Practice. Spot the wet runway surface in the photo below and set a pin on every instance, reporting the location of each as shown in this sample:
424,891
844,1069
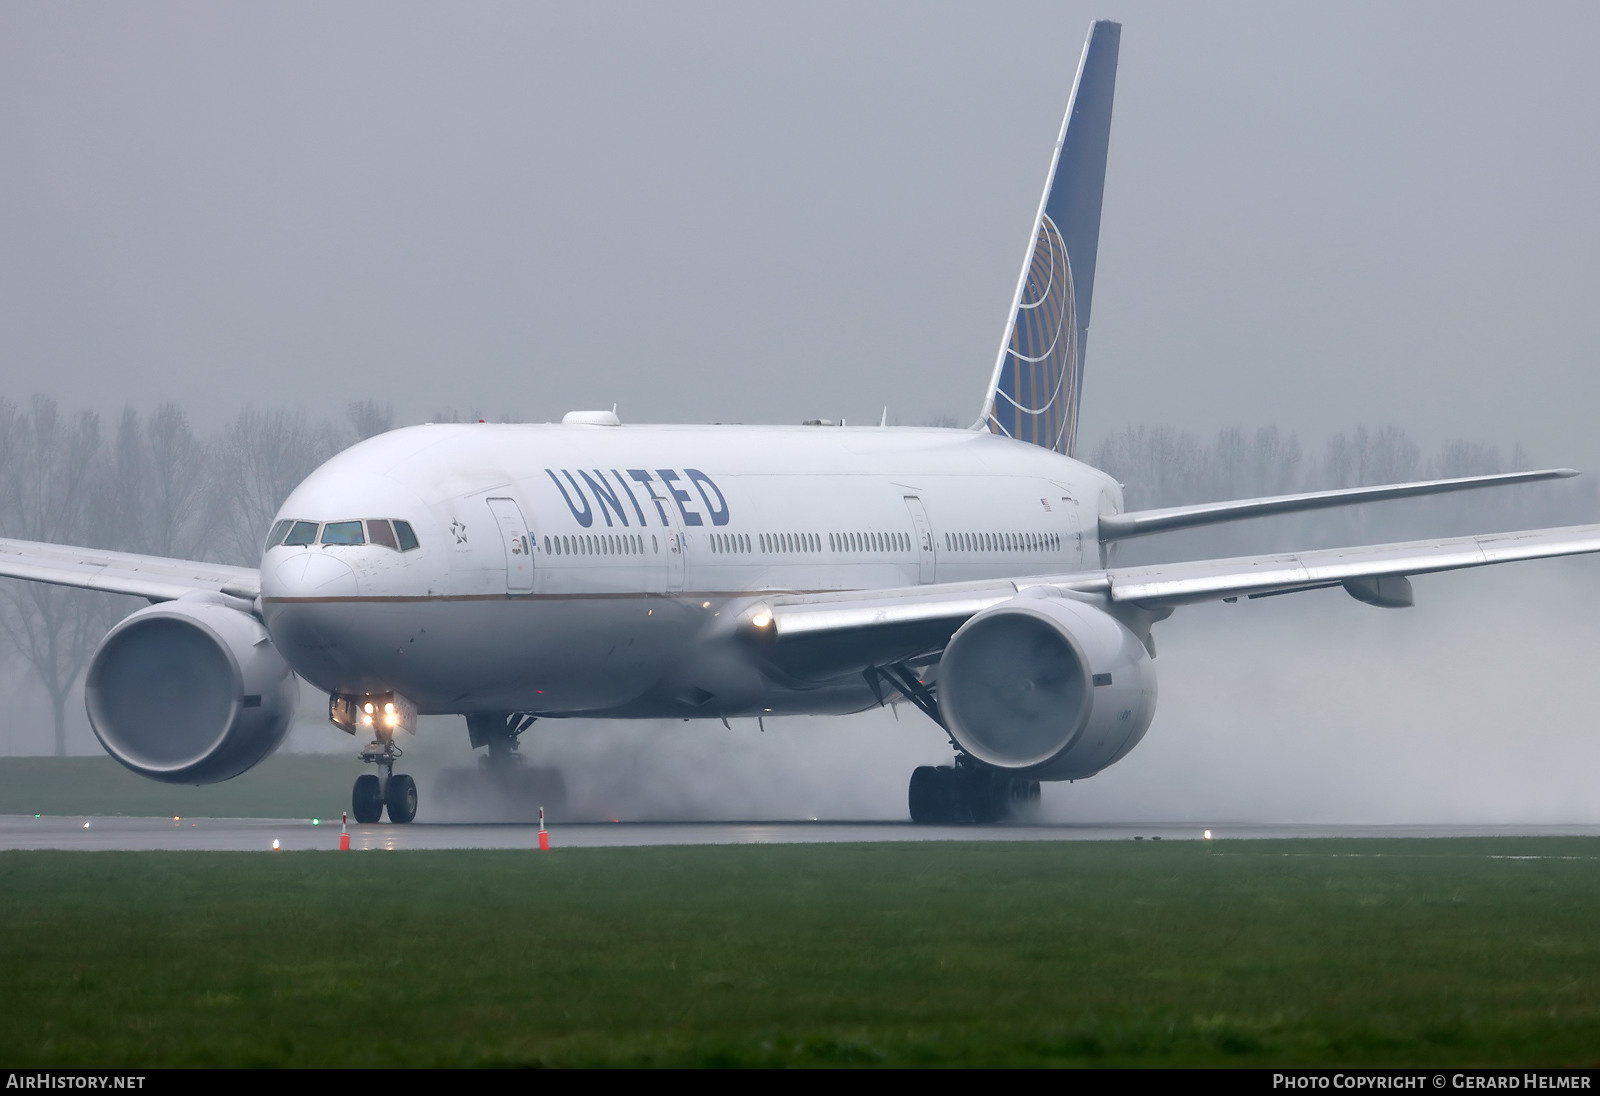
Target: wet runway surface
258,834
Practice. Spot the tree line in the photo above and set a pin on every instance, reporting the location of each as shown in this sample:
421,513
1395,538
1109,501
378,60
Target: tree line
149,483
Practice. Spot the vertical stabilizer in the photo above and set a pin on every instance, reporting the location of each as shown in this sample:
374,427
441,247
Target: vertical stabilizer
1038,377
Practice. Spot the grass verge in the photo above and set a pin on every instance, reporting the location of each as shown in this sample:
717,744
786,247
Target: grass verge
1465,952
282,786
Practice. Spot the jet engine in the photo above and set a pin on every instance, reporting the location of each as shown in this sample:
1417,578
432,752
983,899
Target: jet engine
1047,687
190,691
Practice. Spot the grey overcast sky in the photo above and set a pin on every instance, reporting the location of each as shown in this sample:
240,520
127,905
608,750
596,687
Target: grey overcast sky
1316,215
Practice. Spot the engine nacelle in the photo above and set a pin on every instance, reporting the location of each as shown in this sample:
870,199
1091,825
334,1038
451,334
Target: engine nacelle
190,691
1049,687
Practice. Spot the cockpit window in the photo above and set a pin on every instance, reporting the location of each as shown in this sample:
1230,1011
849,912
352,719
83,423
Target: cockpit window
279,531
408,539
343,532
378,532
301,534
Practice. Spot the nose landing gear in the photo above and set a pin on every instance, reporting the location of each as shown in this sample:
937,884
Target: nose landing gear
395,791
385,715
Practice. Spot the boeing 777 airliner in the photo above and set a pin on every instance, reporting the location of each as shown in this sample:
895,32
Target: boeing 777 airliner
509,573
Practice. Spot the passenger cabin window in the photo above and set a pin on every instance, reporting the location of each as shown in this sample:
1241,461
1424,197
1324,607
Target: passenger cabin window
379,532
302,534
343,532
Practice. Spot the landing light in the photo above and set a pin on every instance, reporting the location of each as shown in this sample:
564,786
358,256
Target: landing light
384,713
761,619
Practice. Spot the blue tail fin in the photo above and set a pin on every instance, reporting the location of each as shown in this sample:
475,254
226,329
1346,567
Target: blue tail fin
1038,376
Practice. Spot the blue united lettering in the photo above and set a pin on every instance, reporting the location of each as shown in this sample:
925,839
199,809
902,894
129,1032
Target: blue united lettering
591,493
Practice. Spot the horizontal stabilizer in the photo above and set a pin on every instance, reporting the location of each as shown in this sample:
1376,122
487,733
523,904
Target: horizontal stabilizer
1139,523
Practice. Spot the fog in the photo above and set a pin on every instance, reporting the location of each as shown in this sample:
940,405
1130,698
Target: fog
1316,220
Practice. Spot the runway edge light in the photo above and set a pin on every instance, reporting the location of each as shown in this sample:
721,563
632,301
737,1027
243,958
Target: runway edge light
544,835
344,832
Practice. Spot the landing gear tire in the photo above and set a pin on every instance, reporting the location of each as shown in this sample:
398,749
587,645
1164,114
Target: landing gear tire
401,798
366,801
935,797
968,794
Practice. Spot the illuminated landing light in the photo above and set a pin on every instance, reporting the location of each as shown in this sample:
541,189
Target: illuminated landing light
705,605
762,618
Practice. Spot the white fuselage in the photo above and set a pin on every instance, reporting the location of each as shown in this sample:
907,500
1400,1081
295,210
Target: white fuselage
570,570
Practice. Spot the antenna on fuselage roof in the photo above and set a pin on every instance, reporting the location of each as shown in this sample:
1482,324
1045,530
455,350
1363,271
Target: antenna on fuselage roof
1038,374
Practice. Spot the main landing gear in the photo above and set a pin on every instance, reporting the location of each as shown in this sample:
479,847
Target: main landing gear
968,793
505,786
395,791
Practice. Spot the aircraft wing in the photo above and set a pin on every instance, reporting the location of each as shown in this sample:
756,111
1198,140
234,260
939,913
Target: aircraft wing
813,635
1171,584
1140,523
154,577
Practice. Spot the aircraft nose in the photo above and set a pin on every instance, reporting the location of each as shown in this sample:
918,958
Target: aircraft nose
312,574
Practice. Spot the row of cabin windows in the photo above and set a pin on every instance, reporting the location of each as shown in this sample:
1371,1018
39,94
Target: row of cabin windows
799,543
599,544
291,533
1002,542
608,544
869,542
632,544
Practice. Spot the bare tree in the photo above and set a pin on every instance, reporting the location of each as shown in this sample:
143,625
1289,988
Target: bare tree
261,457
57,473
369,418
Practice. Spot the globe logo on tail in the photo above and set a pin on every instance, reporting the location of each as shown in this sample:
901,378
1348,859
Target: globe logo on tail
1037,395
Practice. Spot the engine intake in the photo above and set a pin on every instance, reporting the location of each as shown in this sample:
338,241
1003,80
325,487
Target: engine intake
189,692
1047,686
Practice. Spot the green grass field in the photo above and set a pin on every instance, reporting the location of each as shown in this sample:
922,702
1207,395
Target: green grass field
282,786
1445,952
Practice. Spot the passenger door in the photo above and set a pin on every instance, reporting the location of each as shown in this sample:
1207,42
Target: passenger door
518,547
927,563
